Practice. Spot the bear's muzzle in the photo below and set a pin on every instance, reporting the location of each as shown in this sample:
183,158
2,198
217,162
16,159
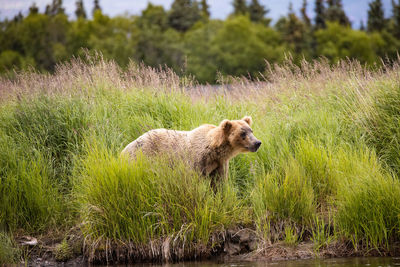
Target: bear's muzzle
255,146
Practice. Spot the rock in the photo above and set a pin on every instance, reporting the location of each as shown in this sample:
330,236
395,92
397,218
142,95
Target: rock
232,248
242,241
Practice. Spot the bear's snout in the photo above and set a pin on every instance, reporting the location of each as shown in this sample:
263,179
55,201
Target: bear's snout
256,146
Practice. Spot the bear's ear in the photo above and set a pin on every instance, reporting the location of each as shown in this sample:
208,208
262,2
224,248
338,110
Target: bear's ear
226,126
248,120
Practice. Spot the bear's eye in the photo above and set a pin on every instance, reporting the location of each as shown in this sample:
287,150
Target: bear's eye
243,135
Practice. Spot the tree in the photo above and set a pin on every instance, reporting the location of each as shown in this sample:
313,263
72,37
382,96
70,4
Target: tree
18,18
55,8
200,51
241,47
157,44
10,59
47,10
257,11
115,37
239,7
33,9
319,14
183,14
337,42
362,26
295,33
376,20
96,7
335,12
304,15
153,17
396,19
204,9
36,41
80,9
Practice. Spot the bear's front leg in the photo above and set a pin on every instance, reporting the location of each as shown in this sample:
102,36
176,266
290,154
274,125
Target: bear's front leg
223,170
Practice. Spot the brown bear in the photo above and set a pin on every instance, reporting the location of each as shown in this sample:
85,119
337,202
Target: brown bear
208,148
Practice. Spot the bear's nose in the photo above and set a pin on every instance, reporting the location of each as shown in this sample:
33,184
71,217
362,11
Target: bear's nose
257,144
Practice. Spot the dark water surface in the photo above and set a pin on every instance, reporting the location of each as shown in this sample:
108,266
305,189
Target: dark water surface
337,262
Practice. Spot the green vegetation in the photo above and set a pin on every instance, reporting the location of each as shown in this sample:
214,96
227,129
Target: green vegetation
63,252
327,172
9,253
185,38
147,201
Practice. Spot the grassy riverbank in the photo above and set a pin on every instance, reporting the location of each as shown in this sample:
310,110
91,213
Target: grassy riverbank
327,172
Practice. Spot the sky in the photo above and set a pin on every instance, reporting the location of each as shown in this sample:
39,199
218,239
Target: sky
356,10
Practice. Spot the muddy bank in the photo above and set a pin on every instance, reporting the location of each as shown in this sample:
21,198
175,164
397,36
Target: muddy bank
233,246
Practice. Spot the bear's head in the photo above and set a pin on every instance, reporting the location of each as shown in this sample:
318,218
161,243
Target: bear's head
239,134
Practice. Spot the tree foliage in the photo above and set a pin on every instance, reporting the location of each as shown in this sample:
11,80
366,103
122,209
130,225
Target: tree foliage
395,21
319,14
304,15
96,6
336,42
239,7
376,19
187,40
80,9
335,12
257,12
205,12
295,33
183,14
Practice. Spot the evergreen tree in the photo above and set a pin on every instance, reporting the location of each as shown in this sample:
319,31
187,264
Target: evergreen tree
335,12
33,9
294,32
47,10
19,17
362,26
55,8
257,11
96,6
376,20
204,9
396,19
319,15
80,9
183,14
304,15
239,7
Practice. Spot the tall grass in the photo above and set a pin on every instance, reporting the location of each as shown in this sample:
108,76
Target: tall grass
151,200
382,125
368,206
329,151
9,253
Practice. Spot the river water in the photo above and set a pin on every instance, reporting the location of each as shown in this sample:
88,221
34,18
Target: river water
336,262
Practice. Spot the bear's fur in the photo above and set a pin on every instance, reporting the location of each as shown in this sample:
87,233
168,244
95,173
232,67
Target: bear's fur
208,148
